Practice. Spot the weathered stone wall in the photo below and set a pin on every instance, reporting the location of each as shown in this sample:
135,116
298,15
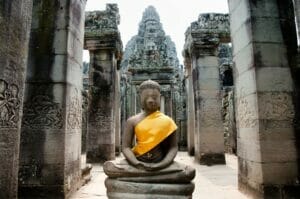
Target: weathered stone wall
102,39
201,45
51,126
267,154
15,17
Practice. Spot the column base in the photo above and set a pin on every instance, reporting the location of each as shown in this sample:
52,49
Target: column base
212,159
101,154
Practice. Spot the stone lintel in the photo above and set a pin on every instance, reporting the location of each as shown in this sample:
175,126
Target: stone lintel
101,30
204,35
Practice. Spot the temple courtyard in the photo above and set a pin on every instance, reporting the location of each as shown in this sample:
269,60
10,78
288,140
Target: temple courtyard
213,182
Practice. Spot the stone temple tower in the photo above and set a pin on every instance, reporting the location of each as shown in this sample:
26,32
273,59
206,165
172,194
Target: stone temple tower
151,54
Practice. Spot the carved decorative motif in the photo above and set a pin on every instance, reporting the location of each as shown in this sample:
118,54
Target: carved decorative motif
99,120
246,116
206,33
74,117
99,23
9,105
41,112
276,106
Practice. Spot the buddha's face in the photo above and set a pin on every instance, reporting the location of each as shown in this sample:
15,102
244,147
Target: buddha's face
150,99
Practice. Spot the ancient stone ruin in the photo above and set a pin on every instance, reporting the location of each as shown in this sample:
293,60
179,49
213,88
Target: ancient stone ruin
238,92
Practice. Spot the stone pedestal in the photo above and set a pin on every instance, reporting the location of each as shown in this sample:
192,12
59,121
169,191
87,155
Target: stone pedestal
127,182
51,126
15,17
267,141
102,39
202,40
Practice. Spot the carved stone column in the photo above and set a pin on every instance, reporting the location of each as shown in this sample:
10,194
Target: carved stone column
202,40
50,151
102,39
15,17
267,154
190,106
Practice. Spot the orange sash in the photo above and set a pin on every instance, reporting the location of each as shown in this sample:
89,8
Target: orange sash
151,131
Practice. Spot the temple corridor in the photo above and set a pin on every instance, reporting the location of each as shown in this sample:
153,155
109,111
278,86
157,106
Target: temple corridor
233,100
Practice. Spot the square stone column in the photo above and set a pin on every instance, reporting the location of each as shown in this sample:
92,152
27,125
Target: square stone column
15,17
202,40
190,107
102,39
267,152
50,153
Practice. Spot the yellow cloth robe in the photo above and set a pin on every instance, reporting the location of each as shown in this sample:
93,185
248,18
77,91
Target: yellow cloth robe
151,131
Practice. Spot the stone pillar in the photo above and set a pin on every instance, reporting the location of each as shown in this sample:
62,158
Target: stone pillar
190,107
50,150
202,40
117,114
267,153
15,17
102,39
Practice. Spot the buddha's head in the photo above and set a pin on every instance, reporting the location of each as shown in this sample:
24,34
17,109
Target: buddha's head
150,95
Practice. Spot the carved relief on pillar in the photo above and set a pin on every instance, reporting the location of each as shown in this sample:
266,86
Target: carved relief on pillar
278,108
246,113
74,114
210,113
9,105
99,119
42,112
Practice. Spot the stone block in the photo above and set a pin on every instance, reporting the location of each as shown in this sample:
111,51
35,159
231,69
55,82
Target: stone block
280,173
249,150
233,4
239,15
210,140
207,61
209,84
262,27
208,72
278,151
267,9
74,48
250,171
274,79
58,73
276,106
120,189
60,42
73,146
243,59
74,73
242,37
246,82
270,55
246,110
209,94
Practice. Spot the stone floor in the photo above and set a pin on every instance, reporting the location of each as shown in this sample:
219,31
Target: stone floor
213,182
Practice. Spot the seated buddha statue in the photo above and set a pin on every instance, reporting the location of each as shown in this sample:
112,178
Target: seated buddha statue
149,146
